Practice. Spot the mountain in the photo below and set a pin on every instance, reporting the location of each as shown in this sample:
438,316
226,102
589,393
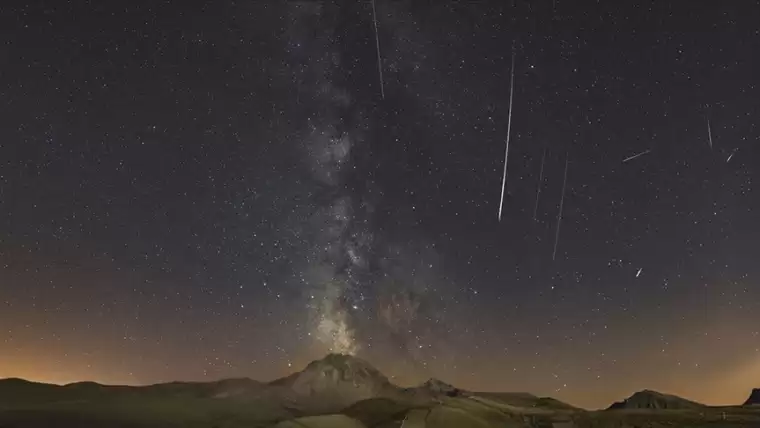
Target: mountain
648,399
754,398
439,387
526,400
433,389
333,383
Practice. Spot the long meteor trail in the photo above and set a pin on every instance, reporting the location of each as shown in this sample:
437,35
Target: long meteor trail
509,131
709,134
561,207
377,45
636,155
540,183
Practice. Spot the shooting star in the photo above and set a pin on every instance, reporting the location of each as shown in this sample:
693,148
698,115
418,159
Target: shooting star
540,182
561,207
639,272
377,45
509,131
731,155
637,155
709,134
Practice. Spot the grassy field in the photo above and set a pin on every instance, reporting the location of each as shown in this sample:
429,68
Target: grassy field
132,412
187,405
248,404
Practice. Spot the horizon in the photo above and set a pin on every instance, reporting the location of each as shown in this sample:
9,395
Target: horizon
599,406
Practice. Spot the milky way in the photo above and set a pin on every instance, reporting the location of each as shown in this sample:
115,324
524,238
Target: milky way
327,145
354,281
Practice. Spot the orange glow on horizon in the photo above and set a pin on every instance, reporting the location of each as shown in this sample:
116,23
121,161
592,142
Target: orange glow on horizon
39,369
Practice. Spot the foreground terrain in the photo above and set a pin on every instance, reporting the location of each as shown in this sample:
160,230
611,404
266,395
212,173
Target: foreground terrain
337,392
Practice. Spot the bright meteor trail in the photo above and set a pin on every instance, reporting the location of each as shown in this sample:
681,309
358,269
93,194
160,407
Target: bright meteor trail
509,130
561,207
377,46
637,155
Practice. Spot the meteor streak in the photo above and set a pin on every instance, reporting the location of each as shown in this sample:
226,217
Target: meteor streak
540,183
635,156
561,207
377,45
509,130
731,155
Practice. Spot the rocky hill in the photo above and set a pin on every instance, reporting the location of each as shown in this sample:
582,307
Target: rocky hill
434,389
754,398
526,400
333,383
648,399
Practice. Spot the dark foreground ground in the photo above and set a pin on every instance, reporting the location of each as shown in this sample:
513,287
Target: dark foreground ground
336,392
153,410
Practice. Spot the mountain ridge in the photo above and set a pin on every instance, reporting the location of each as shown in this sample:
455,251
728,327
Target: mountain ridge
650,399
351,379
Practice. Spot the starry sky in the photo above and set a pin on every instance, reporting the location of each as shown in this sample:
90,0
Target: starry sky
196,190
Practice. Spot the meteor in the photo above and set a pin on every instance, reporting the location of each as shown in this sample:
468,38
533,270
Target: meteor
561,207
635,156
509,130
540,182
377,45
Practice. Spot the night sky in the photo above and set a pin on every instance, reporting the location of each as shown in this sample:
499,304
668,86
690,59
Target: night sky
194,190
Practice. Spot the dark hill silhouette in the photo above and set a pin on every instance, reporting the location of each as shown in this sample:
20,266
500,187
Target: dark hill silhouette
439,387
235,387
525,399
754,398
648,399
433,389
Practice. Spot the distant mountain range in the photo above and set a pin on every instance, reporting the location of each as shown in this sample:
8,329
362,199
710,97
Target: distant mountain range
338,391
